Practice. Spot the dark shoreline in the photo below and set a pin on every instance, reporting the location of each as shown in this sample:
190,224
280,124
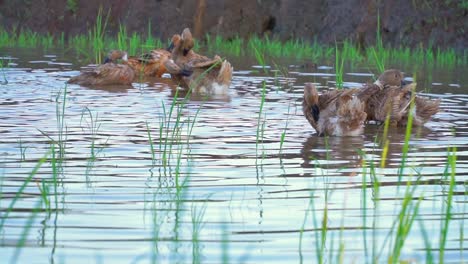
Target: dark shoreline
412,23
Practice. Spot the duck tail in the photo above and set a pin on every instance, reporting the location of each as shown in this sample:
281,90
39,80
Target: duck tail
85,78
310,103
311,95
352,114
225,73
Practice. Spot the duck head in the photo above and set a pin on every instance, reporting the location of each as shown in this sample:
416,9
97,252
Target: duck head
175,42
187,41
391,78
114,55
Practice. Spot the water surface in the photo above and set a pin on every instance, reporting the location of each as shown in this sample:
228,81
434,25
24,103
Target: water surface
256,199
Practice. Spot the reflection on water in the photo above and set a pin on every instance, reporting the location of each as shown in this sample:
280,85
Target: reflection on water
218,182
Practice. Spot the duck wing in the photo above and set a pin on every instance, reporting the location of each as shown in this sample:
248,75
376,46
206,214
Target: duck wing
328,98
205,62
172,67
367,91
110,73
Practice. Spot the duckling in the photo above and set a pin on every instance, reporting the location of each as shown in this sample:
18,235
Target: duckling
108,73
394,99
150,64
194,71
336,112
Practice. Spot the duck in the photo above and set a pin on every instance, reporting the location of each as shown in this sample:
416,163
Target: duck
336,112
394,99
196,72
422,111
150,64
109,73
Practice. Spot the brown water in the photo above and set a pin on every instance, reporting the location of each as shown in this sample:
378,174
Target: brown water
111,207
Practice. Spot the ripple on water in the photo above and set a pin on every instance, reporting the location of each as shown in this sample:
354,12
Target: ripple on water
115,188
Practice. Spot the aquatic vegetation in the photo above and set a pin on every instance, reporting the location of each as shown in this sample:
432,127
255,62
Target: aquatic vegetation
379,57
405,220
179,190
446,208
22,149
339,68
27,228
122,38
197,215
2,68
97,35
283,133
262,48
232,46
260,56
261,120
92,125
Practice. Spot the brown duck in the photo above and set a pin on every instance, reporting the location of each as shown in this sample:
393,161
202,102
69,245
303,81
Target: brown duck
336,112
394,99
197,72
150,64
109,73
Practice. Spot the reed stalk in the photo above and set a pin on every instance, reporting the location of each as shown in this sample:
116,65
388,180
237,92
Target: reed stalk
20,191
339,67
447,204
260,125
97,35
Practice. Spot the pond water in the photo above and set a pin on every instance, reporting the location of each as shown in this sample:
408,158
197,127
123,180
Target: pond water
219,184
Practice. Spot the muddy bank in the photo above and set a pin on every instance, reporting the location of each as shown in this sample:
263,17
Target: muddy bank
436,23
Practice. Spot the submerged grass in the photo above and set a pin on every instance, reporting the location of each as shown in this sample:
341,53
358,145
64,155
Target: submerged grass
260,123
24,235
3,65
448,203
93,126
21,189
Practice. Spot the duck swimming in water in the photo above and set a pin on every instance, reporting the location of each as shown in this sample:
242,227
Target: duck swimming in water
336,112
109,73
197,72
394,99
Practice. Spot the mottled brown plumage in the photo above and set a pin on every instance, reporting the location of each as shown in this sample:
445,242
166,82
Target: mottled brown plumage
337,112
197,72
108,73
394,100
424,109
150,64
